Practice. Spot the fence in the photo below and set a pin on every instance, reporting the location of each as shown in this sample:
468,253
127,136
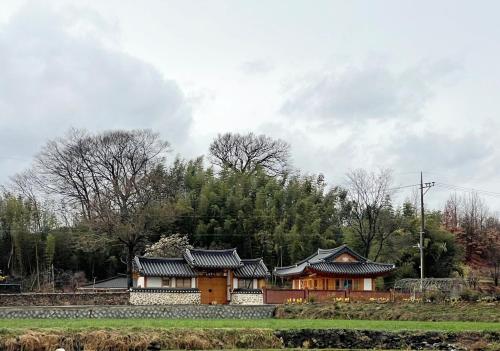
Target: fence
279,296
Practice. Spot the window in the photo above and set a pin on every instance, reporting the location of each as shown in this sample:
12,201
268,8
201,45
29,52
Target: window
315,284
183,283
165,282
245,283
348,284
339,284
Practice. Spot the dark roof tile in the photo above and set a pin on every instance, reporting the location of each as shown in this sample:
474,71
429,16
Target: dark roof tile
119,282
353,268
213,258
323,261
254,268
163,267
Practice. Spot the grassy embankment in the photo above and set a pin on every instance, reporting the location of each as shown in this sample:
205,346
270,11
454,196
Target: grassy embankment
274,324
470,312
474,326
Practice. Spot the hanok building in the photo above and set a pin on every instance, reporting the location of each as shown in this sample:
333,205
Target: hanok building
334,269
200,276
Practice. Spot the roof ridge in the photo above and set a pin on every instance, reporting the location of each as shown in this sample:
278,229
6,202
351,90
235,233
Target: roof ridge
252,259
210,250
380,263
161,258
334,248
285,267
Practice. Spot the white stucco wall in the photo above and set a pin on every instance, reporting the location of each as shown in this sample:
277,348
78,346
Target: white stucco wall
255,283
153,282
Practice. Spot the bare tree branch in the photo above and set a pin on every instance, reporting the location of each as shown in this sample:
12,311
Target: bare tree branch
247,153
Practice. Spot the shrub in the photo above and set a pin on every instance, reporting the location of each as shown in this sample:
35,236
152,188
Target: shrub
434,296
469,295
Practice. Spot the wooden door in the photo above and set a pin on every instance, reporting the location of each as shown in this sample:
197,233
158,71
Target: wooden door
213,290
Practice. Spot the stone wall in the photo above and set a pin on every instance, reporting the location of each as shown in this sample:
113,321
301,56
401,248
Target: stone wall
166,311
165,296
64,299
244,298
385,340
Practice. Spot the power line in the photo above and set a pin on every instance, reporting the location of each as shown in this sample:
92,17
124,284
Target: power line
466,189
404,186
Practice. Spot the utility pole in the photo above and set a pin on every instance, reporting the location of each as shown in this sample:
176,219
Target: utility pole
422,226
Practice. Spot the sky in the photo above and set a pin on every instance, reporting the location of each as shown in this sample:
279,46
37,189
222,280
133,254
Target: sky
406,85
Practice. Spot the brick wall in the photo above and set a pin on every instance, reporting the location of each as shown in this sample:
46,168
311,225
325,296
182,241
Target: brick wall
64,299
279,296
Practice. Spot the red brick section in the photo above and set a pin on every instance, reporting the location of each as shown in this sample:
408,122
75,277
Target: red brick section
279,296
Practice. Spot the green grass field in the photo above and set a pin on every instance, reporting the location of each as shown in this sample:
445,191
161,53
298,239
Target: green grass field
77,324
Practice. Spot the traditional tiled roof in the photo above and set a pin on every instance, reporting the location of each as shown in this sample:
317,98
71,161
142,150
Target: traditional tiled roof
213,258
331,254
323,261
200,259
118,282
163,267
353,268
254,268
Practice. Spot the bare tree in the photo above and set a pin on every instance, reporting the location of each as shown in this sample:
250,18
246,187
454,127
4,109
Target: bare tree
368,194
473,217
468,217
106,177
492,253
451,213
247,153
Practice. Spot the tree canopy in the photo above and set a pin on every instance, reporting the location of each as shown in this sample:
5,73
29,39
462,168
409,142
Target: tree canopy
94,200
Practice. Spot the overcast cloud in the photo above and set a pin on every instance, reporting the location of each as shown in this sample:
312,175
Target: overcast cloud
60,70
357,93
407,85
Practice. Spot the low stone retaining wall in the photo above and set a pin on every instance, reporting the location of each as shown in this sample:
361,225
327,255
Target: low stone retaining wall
164,311
373,339
159,296
64,299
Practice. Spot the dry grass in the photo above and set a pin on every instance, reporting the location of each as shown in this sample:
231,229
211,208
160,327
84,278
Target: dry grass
172,339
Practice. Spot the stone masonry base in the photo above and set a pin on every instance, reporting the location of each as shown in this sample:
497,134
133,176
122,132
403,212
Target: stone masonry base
165,298
247,299
165,311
